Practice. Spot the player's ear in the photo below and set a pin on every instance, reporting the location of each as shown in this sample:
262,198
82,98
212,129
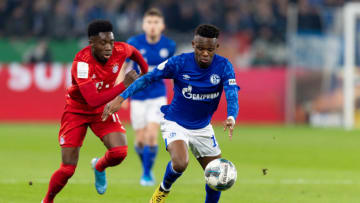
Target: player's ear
91,41
163,26
193,44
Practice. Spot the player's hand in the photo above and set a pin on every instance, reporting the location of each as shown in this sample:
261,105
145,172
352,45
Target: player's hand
229,123
112,107
130,77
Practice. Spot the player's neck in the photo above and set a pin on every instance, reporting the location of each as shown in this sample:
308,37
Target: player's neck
153,39
102,62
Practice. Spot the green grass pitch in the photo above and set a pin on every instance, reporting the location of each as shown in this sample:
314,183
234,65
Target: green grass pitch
304,165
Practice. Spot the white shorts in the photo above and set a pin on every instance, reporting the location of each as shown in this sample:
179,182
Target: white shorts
202,142
147,111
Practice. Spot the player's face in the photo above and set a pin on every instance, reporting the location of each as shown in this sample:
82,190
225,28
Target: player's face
204,49
153,26
102,46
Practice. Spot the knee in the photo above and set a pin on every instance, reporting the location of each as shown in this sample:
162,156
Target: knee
67,169
117,154
180,164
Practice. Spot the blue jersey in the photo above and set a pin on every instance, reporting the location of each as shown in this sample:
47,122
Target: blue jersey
197,91
154,54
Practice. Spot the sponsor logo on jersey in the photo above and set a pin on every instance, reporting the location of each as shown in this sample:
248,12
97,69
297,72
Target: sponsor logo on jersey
215,79
164,53
186,77
115,68
232,82
198,97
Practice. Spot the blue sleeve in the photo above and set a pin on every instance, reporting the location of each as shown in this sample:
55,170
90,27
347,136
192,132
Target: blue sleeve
164,70
231,90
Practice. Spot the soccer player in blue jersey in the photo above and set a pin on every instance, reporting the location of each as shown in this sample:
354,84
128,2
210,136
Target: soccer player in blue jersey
199,79
145,105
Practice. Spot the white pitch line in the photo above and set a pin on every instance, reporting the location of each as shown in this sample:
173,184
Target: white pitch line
239,181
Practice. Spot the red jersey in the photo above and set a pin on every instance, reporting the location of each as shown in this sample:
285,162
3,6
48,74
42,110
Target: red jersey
86,69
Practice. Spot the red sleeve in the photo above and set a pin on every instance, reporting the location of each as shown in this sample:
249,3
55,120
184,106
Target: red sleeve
96,99
81,72
136,56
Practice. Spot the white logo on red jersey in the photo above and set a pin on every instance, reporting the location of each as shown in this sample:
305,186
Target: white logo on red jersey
99,85
82,70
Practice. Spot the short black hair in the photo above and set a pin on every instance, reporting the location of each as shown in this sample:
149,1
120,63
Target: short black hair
97,26
207,30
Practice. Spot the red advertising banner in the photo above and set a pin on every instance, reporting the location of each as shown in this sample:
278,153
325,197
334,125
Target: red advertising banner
37,93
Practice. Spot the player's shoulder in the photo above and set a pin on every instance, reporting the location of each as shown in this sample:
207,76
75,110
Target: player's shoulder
180,59
84,55
168,41
121,47
135,39
221,60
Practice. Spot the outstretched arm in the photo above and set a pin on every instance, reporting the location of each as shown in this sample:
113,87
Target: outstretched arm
231,92
136,56
164,70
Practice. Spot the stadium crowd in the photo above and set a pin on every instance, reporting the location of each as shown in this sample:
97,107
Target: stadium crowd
256,26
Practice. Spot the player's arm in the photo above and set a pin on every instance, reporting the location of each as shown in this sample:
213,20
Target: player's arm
81,72
136,56
124,69
231,92
164,70
122,72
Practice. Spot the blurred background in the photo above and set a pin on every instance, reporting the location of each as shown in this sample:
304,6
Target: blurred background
288,54
295,61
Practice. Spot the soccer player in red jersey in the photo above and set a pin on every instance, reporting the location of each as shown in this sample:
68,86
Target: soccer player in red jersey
94,72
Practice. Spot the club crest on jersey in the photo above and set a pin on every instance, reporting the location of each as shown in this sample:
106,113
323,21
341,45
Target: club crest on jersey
215,79
142,51
164,53
115,68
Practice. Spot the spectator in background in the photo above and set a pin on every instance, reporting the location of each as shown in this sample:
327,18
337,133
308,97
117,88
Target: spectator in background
308,18
171,10
111,12
263,19
129,22
205,7
246,23
280,13
4,13
189,17
40,53
61,22
17,24
40,14
80,19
